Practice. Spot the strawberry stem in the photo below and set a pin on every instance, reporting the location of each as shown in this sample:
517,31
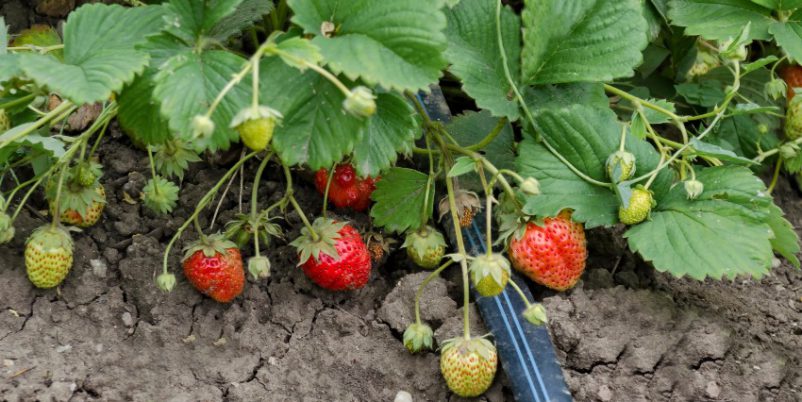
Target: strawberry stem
520,293
254,202
423,284
289,196
488,208
466,324
776,175
201,205
57,210
326,191
152,168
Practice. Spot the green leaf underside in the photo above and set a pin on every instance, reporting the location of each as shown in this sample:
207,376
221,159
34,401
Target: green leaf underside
715,151
392,130
720,234
187,85
470,128
139,114
586,136
35,141
581,40
396,44
400,198
462,165
720,19
474,54
779,4
785,241
314,131
98,58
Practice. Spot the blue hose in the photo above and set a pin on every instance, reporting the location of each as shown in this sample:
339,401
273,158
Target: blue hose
526,351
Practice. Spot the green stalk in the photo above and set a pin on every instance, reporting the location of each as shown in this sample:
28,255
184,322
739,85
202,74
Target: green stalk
254,202
65,107
291,198
201,205
326,191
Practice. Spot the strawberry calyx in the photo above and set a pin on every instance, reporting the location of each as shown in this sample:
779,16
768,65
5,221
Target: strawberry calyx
173,157
467,204
490,273
536,314
322,238
160,195
423,240
418,337
50,237
209,245
481,346
74,196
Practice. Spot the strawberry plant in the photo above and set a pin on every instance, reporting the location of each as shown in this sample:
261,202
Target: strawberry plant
661,115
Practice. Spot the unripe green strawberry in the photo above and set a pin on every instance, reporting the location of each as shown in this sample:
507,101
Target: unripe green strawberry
490,274
259,267
693,188
165,281
640,205
468,366
425,247
705,61
418,337
5,122
6,228
793,120
536,314
48,256
255,126
84,176
620,166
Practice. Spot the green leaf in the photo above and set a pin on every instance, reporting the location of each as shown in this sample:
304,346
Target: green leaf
392,130
3,36
9,66
779,5
472,127
299,49
462,165
785,240
585,136
196,21
400,198
720,19
36,141
247,13
474,54
741,135
99,56
789,36
720,234
707,93
314,131
188,83
139,114
758,64
710,150
590,94
581,40
396,44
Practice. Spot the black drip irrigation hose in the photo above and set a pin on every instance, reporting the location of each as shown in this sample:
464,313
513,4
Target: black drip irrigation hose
525,350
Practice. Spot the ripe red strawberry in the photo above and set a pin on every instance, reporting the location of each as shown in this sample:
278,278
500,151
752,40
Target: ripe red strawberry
792,75
553,254
214,266
346,189
48,256
335,257
468,365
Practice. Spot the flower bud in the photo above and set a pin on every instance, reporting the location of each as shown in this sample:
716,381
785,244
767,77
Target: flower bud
694,188
789,150
202,126
360,102
259,267
165,281
530,186
6,228
536,314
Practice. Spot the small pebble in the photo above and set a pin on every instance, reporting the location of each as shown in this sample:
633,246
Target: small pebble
403,396
8,362
63,348
128,321
99,267
605,393
712,390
